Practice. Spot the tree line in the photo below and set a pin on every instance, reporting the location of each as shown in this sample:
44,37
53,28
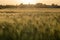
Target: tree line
37,5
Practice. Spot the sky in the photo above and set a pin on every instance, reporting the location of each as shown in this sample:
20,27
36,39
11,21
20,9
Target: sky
16,2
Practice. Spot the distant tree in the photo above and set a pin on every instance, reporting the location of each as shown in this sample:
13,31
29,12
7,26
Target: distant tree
38,5
21,5
53,4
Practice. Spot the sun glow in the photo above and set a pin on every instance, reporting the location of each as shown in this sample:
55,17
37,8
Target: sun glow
28,1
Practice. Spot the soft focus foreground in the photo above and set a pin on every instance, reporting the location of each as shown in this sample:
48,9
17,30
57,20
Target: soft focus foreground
30,24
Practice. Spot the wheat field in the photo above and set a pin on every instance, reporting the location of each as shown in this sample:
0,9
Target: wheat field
30,24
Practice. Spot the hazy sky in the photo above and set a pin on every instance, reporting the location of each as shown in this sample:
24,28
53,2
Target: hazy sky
14,2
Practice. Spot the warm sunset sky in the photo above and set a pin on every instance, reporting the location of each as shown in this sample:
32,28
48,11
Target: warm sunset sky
15,2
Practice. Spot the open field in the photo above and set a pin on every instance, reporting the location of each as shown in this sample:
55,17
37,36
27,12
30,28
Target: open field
30,24
35,10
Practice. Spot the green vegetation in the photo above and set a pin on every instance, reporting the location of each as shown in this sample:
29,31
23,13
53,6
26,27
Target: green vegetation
31,25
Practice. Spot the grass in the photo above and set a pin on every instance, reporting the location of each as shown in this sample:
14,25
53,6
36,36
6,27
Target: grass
30,25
